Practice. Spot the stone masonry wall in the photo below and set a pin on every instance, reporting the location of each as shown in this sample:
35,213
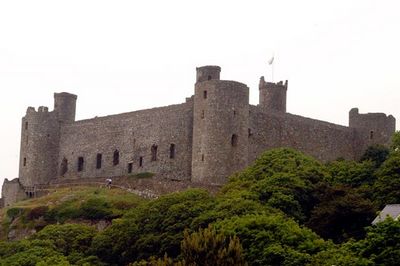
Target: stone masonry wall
322,140
220,143
132,135
11,192
39,147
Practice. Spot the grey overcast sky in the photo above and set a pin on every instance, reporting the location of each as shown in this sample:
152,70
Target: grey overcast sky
120,56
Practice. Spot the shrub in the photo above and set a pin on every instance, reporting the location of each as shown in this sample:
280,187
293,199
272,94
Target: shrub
14,213
37,212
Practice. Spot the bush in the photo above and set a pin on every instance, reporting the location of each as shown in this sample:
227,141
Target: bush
96,209
37,212
13,213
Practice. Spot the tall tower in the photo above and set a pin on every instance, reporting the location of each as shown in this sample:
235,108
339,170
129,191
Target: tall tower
220,127
370,129
65,106
273,95
40,136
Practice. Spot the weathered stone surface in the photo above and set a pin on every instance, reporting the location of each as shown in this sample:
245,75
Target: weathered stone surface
204,140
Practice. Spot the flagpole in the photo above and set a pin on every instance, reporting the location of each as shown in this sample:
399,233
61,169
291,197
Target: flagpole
272,68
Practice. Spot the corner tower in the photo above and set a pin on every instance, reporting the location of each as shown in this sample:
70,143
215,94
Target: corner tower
272,96
40,137
220,127
371,129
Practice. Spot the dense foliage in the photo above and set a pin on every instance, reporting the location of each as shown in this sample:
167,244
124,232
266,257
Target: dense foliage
285,209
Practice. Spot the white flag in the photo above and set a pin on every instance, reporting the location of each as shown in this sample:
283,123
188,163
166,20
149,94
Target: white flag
271,61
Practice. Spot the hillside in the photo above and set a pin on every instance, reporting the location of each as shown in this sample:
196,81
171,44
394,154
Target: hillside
285,209
79,204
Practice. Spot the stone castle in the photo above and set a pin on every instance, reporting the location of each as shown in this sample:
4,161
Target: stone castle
215,133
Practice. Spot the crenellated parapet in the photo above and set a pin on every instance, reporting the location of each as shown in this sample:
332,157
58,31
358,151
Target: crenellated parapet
371,128
40,136
272,96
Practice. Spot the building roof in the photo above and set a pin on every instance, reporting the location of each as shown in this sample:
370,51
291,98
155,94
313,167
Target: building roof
391,210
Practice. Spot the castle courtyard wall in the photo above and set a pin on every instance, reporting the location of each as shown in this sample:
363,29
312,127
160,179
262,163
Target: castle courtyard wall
132,135
322,140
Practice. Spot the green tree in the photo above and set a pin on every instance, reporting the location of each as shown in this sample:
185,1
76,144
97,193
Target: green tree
280,178
207,247
351,173
153,228
272,239
341,213
68,238
395,146
382,244
386,189
376,154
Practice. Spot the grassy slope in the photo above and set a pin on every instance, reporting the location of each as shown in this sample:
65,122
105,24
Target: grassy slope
65,201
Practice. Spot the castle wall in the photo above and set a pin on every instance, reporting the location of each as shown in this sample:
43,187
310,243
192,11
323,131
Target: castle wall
39,147
322,140
132,135
220,143
371,129
11,192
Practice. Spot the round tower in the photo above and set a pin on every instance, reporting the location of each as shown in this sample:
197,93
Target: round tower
220,127
65,106
39,147
273,95
207,73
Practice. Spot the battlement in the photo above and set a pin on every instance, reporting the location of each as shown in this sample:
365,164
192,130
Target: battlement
272,85
214,134
272,96
369,120
205,73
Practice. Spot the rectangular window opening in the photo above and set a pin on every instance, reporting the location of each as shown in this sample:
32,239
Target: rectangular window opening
130,168
99,158
154,153
24,161
140,161
172,151
80,164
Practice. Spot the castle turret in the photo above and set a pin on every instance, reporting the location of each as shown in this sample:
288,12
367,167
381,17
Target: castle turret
65,106
273,95
39,147
40,137
207,73
370,129
220,127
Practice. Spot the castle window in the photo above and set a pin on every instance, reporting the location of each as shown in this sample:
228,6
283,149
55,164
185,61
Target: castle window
140,161
234,112
130,168
24,161
202,114
205,94
202,157
64,167
172,151
116,157
26,125
154,153
80,164
250,133
209,77
371,134
234,140
99,158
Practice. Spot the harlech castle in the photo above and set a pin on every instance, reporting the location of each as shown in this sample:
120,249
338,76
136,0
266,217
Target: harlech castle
213,134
